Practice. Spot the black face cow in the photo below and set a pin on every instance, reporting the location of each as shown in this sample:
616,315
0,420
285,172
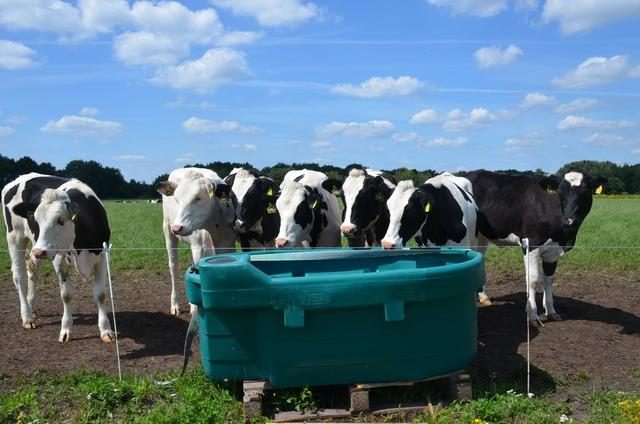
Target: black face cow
257,219
548,211
65,221
366,215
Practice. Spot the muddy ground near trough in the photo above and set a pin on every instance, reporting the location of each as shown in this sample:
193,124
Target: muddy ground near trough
596,345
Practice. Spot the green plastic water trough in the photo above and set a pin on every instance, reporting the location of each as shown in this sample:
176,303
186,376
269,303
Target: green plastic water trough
317,317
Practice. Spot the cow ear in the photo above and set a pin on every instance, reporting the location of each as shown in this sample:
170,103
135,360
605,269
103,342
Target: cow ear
72,208
332,185
166,187
599,184
229,179
424,200
313,197
549,183
25,209
222,191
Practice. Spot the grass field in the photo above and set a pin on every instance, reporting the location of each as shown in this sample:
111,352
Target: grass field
609,239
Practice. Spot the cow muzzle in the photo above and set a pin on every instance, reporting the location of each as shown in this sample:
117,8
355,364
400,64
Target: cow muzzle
39,253
388,244
180,230
349,230
281,242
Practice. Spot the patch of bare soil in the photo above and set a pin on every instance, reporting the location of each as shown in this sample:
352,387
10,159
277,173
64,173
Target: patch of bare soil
596,345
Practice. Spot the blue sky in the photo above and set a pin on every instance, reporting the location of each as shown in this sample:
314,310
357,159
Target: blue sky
443,84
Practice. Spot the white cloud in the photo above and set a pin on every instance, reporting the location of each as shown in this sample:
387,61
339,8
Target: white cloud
16,56
573,122
426,116
598,71
82,125
371,129
147,48
40,15
103,16
609,140
187,157
131,158
246,147
217,66
380,87
576,105
456,120
526,5
4,131
405,137
15,120
537,100
575,16
494,56
272,13
480,8
89,111
204,126
234,38
447,142
183,102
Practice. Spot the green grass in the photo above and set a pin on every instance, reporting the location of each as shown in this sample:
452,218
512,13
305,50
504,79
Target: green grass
83,397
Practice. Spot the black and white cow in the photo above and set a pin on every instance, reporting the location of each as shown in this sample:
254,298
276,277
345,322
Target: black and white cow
257,219
309,214
365,217
199,209
441,212
546,210
64,221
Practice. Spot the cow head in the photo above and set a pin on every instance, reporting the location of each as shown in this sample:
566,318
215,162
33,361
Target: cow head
300,207
259,199
365,198
409,208
575,192
54,218
196,196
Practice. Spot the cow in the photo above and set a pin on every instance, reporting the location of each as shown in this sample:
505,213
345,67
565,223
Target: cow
548,211
198,208
65,222
365,217
309,214
257,219
441,212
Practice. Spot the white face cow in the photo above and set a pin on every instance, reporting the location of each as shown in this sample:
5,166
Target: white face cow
55,216
400,231
296,205
195,197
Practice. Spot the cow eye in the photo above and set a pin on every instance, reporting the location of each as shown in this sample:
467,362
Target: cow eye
60,221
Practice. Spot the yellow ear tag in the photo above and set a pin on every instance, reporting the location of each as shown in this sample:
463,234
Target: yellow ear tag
380,197
73,217
315,203
427,207
599,189
550,191
271,209
270,192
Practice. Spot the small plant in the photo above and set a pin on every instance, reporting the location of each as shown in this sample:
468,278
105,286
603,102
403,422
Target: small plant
303,401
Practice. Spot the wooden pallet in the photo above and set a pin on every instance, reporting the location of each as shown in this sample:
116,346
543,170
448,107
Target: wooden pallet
455,386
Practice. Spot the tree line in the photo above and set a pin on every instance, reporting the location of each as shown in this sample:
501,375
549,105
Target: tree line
108,182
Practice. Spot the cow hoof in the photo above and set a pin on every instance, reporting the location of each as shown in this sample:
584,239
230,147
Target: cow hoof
535,323
554,317
65,337
175,311
29,325
484,303
108,337
34,315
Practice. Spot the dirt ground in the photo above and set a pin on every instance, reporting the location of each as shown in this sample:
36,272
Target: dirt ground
596,345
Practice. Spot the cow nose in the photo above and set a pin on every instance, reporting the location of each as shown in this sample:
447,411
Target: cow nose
388,245
348,230
176,228
281,242
39,253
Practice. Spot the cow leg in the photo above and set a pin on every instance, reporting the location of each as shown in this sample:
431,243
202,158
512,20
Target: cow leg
33,275
483,244
99,295
533,276
61,267
549,269
171,242
17,251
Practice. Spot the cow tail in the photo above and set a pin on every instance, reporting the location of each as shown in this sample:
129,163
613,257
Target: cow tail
192,331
